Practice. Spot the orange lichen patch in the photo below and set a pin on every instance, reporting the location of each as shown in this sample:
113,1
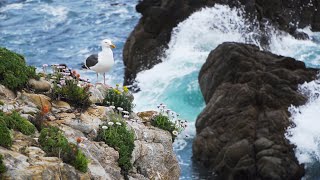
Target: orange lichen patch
146,116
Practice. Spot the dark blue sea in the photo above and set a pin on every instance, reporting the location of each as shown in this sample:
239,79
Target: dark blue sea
67,31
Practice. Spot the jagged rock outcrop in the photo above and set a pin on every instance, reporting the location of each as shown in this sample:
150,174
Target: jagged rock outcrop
159,17
241,131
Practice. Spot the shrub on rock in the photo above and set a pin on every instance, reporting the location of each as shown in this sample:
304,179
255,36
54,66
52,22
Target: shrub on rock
116,135
81,162
14,73
2,166
70,92
5,135
54,143
119,98
22,124
16,122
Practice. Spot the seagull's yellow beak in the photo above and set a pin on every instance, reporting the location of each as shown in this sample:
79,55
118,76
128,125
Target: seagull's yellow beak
112,46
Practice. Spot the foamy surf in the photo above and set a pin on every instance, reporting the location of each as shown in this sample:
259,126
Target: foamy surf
305,134
174,81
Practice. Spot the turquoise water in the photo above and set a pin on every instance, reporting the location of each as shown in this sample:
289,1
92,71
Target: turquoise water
60,31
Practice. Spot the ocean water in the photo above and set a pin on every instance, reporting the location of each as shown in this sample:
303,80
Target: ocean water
60,31
48,31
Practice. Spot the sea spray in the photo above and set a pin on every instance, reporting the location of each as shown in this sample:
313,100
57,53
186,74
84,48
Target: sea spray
305,133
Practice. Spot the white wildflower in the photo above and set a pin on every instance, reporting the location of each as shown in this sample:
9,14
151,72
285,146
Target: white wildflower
125,112
175,133
63,82
110,123
45,65
112,107
120,109
82,145
126,116
118,123
104,127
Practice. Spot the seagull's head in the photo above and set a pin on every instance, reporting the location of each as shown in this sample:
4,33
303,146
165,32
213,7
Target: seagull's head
106,43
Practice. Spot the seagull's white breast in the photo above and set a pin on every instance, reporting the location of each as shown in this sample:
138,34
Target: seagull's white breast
105,61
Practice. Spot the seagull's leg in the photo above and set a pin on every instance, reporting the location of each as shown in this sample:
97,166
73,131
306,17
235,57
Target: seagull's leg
97,79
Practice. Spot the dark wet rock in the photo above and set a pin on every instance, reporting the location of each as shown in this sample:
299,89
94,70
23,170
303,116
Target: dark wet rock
152,33
241,131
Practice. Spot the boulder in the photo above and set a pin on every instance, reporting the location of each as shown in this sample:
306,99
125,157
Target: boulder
241,131
151,35
39,100
61,105
153,155
39,85
146,116
98,93
85,123
6,93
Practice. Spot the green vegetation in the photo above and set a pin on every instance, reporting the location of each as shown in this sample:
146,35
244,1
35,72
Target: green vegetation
54,143
14,73
16,122
116,135
118,98
72,93
2,166
5,135
168,120
1,103
81,162
21,124
163,122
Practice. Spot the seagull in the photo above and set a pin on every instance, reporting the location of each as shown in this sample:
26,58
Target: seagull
103,61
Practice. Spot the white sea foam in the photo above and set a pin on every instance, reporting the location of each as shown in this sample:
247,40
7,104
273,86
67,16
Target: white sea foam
56,15
306,133
14,6
190,44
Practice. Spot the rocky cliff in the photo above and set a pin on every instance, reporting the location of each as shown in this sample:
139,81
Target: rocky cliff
152,157
152,34
241,131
